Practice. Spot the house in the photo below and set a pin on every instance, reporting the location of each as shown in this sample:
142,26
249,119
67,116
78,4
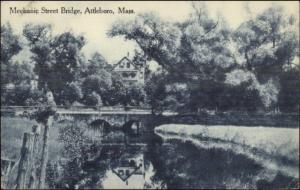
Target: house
129,167
129,71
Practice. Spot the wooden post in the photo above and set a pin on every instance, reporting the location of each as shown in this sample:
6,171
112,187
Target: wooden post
25,161
32,184
6,165
44,159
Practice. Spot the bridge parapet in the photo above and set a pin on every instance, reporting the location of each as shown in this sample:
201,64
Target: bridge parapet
113,119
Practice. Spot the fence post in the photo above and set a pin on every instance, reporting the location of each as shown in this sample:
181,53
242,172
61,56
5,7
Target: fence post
36,130
44,159
5,173
25,161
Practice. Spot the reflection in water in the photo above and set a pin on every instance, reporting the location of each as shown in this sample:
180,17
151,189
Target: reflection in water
113,158
131,171
128,168
123,161
127,173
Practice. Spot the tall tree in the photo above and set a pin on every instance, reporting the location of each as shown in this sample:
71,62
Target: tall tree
57,59
10,46
269,43
96,63
40,39
196,46
194,52
67,61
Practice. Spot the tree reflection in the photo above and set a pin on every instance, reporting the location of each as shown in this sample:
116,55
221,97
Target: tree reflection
176,164
182,165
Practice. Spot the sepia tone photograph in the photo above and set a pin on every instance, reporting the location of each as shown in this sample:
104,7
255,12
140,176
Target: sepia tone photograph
150,95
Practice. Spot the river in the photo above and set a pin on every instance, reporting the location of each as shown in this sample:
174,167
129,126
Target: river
146,160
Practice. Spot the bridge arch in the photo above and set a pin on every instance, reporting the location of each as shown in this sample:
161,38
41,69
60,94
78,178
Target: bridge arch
100,125
132,127
105,123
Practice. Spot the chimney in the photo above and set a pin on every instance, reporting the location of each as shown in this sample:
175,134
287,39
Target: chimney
127,54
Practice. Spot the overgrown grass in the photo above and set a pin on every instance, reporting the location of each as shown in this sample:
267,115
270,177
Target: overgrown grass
276,148
12,130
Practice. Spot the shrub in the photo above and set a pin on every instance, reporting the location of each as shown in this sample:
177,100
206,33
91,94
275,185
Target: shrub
93,99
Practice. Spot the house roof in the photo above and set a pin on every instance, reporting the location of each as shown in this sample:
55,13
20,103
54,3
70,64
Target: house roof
126,176
125,58
124,163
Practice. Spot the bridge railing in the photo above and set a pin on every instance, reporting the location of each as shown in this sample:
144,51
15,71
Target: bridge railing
74,108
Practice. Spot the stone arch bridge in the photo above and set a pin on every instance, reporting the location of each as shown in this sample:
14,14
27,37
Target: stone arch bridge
112,118
133,122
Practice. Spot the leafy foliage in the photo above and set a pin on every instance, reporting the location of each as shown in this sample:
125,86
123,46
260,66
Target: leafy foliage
93,99
56,59
201,51
156,91
99,83
223,69
10,46
73,140
266,41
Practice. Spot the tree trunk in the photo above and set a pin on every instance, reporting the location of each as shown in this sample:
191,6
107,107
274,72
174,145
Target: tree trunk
25,161
248,64
44,158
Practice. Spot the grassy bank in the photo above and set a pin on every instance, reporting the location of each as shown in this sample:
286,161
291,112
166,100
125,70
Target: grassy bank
275,148
12,131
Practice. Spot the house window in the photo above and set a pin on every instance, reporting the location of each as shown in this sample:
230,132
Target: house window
121,172
121,65
125,75
128,64
132,163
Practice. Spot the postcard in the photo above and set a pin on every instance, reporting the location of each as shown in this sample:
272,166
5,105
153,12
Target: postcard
150,95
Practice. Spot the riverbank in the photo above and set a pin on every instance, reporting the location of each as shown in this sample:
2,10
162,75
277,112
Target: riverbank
287,120
197,155
274,148
12,131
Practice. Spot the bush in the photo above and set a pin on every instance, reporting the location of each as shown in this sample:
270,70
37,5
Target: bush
74,145
93,99
70,94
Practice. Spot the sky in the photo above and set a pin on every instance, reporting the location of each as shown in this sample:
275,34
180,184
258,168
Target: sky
95,26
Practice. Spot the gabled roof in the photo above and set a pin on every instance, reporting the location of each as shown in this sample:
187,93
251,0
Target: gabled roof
125,58
126,176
